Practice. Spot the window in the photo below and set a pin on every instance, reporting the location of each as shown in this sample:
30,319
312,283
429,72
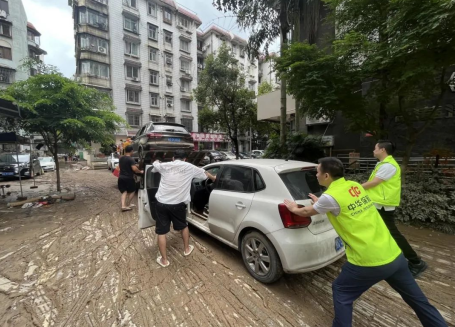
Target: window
152,10
169,102
131,48
199,45
258,182
153,32
168,80
4,6
92,43
188,123
168,38
5,53
134,120
236,179
185,86
130,3
154,77
234,49
130,24
132,72
104,2
242,67
154,99
132,96
184,45
95,68
185,65
6,75
251,87
200,63
155,119
301,183
153,54
167,16
242,52
5,29
184,22
170,119
93,18
185,105
168,58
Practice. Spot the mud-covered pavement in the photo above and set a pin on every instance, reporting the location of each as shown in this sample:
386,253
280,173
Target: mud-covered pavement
84,263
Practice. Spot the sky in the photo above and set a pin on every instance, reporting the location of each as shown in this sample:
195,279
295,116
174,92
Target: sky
53,19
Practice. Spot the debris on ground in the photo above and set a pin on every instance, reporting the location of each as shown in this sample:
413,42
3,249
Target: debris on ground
43,200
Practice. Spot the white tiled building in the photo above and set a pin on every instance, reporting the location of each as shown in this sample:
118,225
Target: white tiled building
18,40
267,71
144,53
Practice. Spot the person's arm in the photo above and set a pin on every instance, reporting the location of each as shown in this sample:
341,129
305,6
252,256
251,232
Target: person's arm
213,178
156,166
375,182
303,211
202,174
136,170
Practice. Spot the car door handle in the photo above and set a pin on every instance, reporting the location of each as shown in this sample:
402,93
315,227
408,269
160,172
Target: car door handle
240,205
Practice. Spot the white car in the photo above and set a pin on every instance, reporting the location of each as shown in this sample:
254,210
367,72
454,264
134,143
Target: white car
257,153
47,163
229,155
244,209
112,161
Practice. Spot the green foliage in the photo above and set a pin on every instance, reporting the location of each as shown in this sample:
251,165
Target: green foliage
228,105
63,112
264,88
426,199
298,147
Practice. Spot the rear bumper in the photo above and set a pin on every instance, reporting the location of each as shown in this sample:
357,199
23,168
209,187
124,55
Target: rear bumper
300,251
45,168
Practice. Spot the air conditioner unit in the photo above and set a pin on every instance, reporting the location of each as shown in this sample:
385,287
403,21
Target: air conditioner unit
3,14
170,105
187,71
199,66
169,83
183,89
102,50
168,61
135,79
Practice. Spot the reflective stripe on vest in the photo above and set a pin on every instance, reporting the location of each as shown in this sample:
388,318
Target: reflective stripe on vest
367,240
388,193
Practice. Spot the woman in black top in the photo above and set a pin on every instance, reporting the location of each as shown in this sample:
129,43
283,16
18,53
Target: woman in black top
126,182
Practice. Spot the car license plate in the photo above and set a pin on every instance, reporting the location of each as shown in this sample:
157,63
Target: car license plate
7,174
338,244
174,139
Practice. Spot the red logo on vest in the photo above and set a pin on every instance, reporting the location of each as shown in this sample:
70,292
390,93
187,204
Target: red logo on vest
354,191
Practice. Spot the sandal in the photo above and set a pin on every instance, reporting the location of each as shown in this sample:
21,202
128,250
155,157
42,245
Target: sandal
132,205
191,250
126,209
158,261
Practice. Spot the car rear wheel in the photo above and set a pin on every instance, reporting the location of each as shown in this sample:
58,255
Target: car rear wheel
260,258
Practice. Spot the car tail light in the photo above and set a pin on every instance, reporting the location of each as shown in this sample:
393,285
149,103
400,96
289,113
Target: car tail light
154,135
291,220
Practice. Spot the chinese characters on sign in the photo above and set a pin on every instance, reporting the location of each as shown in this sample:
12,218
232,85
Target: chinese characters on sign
209,137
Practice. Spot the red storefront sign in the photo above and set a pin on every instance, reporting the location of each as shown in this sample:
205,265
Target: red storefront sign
209,137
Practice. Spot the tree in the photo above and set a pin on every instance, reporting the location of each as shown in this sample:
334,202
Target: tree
390,61
63,112
264,88
228,104
269,19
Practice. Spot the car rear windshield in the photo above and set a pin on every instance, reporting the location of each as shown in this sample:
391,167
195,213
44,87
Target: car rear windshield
302,182
169,128
8,158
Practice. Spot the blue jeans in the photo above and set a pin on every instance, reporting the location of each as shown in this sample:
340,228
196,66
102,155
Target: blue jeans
354,280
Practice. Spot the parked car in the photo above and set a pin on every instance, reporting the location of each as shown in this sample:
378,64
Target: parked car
244,209
216,156
229,155
112,160
244,155
257,153
47,163
11,165
161,136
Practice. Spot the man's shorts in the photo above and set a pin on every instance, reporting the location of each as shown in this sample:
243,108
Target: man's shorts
167,213
126,185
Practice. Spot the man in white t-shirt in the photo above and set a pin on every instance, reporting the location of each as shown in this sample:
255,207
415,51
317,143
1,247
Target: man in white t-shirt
384,187
173,195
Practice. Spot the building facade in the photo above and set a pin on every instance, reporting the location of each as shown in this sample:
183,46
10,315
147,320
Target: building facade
144,54
18,40
266,72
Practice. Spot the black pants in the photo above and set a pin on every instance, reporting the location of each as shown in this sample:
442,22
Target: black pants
408,251
354,280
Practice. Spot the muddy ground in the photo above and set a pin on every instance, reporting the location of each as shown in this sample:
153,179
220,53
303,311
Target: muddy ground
84,263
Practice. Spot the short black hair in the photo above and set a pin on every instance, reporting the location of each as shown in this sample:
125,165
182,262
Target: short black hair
128,149
387,145
332,166
180,154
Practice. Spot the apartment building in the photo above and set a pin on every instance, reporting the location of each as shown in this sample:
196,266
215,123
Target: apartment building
144,54
266,72
18,40
208,42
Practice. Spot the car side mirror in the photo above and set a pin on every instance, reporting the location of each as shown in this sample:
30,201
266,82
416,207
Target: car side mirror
133,138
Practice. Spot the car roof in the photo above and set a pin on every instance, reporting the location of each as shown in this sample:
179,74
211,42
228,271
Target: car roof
278,164
169,124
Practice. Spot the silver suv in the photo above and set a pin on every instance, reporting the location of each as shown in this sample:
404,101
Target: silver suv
244,209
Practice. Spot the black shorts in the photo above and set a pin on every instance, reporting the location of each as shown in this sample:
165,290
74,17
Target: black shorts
126,185
167,213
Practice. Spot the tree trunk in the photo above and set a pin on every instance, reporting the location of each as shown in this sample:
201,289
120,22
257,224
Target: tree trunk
236,146
406,158
296,38
57,166
284,28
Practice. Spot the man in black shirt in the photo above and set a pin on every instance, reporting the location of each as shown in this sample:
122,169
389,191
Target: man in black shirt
126,182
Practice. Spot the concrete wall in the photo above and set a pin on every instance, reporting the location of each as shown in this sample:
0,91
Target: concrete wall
269,105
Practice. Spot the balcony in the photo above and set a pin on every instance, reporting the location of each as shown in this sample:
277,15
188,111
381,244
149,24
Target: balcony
95,31
7,76
186,75
317,121
95,81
